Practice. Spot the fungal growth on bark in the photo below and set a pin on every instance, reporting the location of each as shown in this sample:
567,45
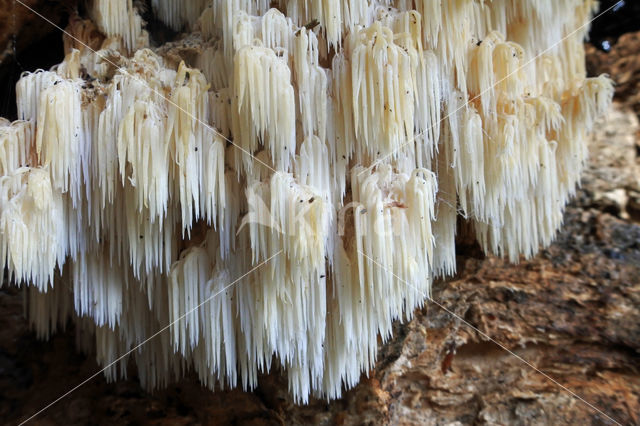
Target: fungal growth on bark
284,182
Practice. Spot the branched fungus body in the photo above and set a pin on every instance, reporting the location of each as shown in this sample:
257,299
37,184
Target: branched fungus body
281,184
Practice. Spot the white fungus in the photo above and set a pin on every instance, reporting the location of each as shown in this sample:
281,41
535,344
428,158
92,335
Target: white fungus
290,186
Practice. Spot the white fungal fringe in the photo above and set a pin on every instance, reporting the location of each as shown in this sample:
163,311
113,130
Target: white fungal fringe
32,227
60,138
16,146
264,103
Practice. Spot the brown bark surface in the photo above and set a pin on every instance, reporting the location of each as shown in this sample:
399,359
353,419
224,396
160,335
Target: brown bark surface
541,342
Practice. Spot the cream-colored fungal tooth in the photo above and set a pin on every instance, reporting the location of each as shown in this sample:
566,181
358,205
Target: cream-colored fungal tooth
312,84
206,23
228,220
264,105
213,196
549,203
579,109
143,77
312,166
49,310
444,224
547,29
428,104
276,30
393,240
292,218
383,78
225,18
262,167
341,139
349,348
70,67
250,343
456,111
431,12
471,182
76,237
186,280
407,29
484,187
109,347
149,242
455,38
215,67
60,140
217,351
104,151
32,227
509,75
143,158
187,137
335,18
16,145
420,193
144,82
28,91
177,14
595,98
98,288
120,18
327,13
532,222
548,114
481,78
214,355
337,156
549,76
537,26
220,112
495,74
92,106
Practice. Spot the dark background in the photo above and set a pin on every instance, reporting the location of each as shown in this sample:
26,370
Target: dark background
28,53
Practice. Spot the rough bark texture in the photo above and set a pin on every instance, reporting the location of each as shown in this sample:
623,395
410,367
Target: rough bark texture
572,312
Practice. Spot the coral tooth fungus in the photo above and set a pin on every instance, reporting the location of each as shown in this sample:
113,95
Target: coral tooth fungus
334,144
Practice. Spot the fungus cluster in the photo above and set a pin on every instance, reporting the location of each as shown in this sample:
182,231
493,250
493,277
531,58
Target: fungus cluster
285,181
